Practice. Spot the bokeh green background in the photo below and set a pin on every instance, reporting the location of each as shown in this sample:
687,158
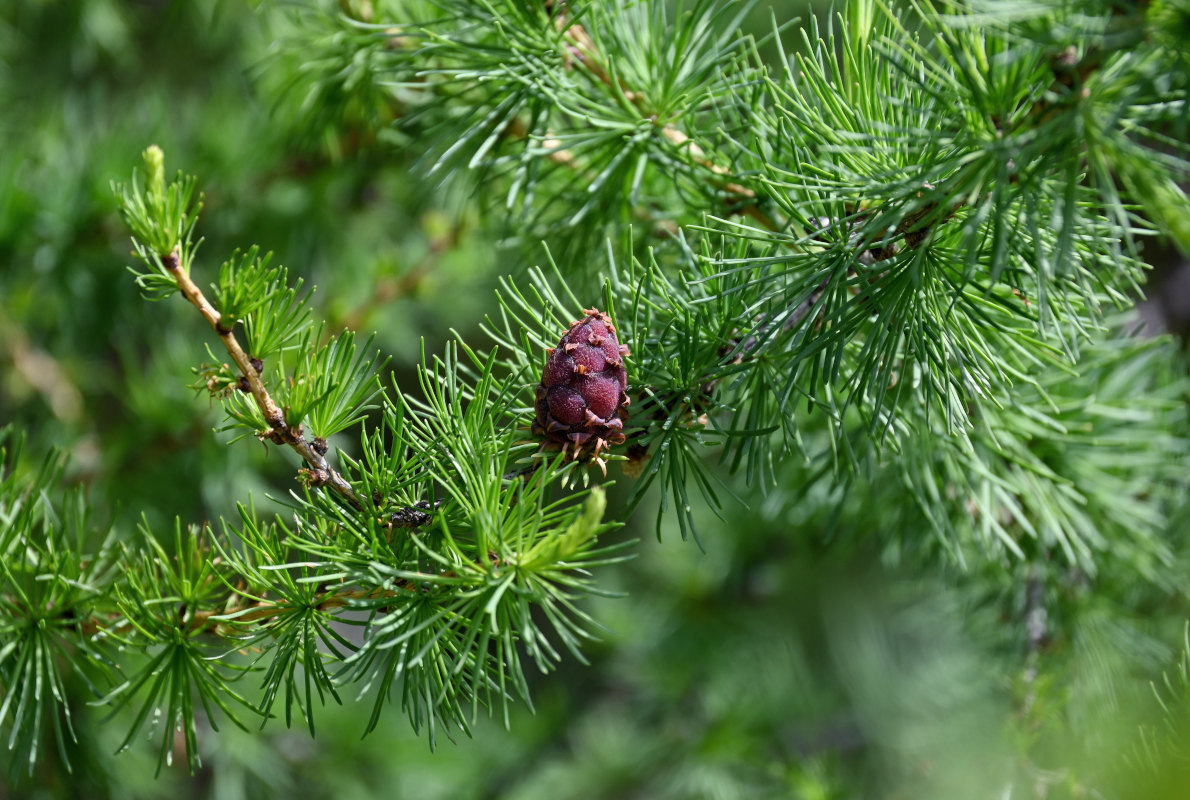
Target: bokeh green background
777,661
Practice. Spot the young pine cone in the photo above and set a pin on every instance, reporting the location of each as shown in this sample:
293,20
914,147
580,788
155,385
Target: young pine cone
582,394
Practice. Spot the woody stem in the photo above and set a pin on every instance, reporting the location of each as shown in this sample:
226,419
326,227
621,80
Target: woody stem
279,431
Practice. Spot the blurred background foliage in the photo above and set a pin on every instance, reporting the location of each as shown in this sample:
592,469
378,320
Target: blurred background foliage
799,654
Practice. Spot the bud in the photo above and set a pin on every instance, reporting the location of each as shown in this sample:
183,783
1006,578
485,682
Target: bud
154,172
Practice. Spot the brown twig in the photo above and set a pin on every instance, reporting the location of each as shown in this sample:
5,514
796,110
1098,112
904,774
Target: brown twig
320,472
566,158
699,156
556,153
209,620
203,621
588,55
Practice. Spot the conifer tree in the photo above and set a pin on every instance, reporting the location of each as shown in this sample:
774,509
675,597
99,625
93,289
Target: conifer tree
864,283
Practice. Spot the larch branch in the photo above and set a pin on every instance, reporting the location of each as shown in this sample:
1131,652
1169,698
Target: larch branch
321,472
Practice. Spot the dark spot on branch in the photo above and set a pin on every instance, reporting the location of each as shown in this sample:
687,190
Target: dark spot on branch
414,516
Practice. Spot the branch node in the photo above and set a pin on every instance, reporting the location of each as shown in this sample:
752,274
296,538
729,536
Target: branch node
314,478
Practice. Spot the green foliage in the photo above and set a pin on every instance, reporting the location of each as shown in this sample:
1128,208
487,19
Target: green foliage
1162,751
1079,465
283,315
161,219
159,599
871,272
447,615
298,629
246,282
51,581
343,384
